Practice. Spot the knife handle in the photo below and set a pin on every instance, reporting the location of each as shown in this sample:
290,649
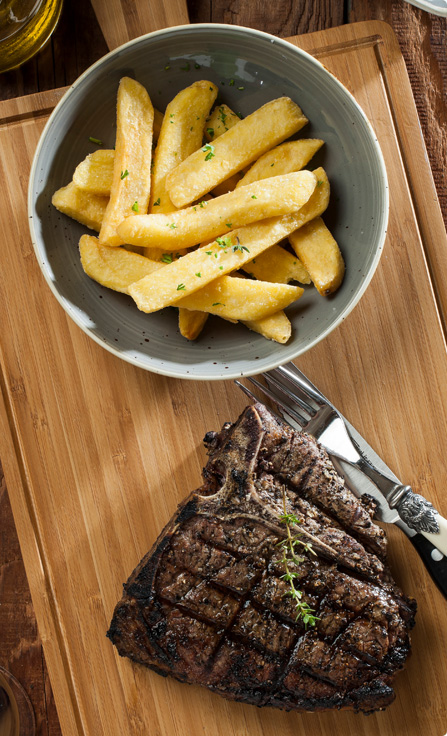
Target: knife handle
435,563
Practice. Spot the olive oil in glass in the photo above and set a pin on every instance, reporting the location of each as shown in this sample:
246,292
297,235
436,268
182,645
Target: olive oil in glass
25,26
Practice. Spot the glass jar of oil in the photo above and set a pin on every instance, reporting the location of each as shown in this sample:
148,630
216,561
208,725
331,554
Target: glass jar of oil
25,26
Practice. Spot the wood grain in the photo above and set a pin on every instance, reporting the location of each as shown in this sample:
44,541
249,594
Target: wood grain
76,44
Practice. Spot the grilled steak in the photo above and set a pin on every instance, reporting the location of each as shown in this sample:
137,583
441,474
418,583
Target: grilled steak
208,604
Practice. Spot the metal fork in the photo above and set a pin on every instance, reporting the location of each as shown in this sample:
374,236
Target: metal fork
303,406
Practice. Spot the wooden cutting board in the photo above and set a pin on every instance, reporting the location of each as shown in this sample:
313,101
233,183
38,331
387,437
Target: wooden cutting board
97,454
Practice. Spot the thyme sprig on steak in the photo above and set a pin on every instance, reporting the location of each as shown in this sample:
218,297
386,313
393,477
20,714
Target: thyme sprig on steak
289,555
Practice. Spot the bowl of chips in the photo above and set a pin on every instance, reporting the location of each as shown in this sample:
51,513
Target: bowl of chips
200,206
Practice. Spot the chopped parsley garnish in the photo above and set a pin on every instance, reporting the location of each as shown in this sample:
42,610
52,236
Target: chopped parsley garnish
241,88
253,196
272,164
228,224
199,275
224,242
167,67
157,203
319,183
181,287
95,140
221,268
124,174
209,150
216,304
231,82
173,226
135,206
222,115
196,65
203,203
186,68
167,258
209,252
210,132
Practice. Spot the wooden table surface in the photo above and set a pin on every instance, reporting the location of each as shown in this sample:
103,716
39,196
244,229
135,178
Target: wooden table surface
77,43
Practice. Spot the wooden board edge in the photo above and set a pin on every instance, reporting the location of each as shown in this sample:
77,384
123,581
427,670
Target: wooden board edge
32,106
37,569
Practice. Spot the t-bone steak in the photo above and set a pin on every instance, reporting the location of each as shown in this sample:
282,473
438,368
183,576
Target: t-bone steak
208,604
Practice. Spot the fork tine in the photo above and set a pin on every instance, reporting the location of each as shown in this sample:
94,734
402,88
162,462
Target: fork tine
292,374
294,396
298,418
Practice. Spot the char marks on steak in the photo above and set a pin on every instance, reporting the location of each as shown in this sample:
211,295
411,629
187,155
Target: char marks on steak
208,604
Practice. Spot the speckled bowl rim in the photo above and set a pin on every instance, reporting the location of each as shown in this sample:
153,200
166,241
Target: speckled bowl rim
294,353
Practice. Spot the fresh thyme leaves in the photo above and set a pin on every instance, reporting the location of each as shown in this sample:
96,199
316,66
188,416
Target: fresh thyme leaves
124,174
289,555
95,140
240,247
209,150
135,206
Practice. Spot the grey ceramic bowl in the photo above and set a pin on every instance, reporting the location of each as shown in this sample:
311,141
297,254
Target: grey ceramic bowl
266,68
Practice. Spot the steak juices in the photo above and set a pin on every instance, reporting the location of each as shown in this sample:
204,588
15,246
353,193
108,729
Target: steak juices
212,602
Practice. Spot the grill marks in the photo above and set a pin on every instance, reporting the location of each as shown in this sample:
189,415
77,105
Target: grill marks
208,605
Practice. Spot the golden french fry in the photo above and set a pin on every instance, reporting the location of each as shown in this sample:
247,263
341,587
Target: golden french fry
241,299
181,134
275,327
277,264
191,323
132,164
288,157
95,173
221,119
320,253
235,149
211,261
115,268
87,209
279,195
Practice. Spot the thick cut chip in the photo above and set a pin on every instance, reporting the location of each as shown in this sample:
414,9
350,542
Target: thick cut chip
95,173
275,327
191,323
181,134
242,299
159,290
235,149
319,252
277,264
115,268
87,209
288,157
279,195
221,119
132,165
